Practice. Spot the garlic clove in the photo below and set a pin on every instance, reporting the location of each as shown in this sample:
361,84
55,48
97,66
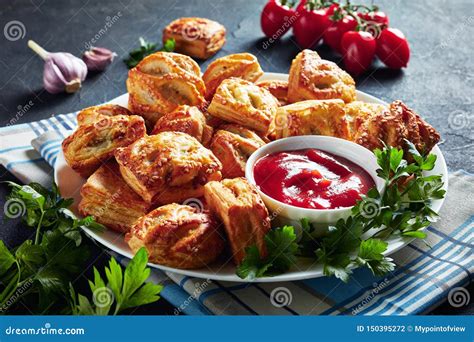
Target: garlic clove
62,71
97,58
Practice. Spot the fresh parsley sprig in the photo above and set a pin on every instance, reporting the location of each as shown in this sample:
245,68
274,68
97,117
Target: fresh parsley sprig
402,209
123,289
145,49
39,271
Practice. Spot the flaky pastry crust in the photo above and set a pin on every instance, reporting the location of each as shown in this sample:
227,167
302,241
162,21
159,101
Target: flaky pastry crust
313,78
186,119
177,236
93,114
241,65
244,103
161,82
277,88
378,124
195,37
95,143
167,162
233,145
319,117
107,198
243,213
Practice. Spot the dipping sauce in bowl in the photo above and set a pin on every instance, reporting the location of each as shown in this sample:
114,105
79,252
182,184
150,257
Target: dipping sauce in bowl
312,179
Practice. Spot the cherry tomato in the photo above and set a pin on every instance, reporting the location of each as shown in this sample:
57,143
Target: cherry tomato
393,49
310,26
331,9
276,18
336,29
378,17
359,51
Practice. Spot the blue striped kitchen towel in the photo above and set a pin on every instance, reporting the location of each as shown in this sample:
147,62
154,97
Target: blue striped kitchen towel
424,278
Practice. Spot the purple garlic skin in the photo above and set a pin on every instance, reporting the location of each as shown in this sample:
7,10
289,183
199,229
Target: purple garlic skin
63,72
97,58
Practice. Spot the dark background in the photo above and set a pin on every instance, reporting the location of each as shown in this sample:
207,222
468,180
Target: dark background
438,82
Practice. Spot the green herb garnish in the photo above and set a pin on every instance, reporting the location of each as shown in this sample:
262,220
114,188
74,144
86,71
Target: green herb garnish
402,209
123,289
145,49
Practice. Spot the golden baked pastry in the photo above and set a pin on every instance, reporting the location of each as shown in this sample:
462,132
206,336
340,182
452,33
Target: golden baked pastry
186,119
279,89
392,126
358,113
233,145
195,37
313,78
177,236
95,143
244,103
243,213
163,81
241,65
93,114
110,200
320,117
167,161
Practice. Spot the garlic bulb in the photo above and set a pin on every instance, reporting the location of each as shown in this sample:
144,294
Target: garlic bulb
62,71
97,58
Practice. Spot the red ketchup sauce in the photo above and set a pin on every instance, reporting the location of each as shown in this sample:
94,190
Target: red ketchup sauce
312,179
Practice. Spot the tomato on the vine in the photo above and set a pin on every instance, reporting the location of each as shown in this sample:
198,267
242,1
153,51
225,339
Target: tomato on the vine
393,49
378,17
359,51
310,25
276,18
336,29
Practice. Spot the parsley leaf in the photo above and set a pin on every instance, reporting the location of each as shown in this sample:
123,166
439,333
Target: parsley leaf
281,255
145,49
123,290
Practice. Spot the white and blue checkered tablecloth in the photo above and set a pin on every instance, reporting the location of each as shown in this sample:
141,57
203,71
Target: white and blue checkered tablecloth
423,279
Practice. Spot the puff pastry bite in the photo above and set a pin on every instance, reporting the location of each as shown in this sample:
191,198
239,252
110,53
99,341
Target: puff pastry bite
233,145
277,88
313,78
241,65
163,81
186,119
392,126
110,200
167,161
95,113
244,103
243,213
95,143
177,236
195,37
320,117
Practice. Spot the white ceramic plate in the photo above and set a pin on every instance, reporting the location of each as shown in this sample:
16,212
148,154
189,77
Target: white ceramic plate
70,184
